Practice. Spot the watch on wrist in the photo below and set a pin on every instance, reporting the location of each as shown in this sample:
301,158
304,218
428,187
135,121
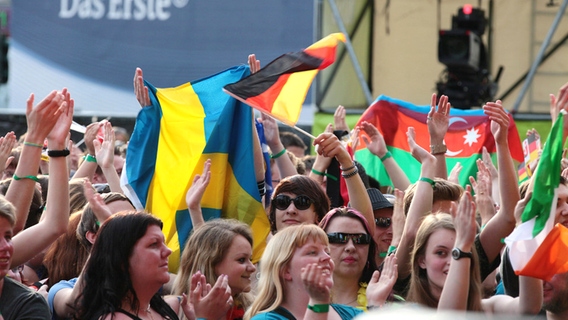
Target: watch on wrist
58,153
436,149
458,254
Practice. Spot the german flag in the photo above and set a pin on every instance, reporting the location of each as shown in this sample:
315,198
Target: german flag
280,88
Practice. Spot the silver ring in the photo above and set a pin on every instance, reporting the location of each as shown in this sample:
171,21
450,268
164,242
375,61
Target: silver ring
428,118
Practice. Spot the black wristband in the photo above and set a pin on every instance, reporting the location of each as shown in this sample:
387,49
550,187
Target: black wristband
58,153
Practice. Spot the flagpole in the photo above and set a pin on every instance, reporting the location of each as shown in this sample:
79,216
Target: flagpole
302,131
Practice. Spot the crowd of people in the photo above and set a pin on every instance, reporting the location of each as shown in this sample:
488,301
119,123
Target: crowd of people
75,247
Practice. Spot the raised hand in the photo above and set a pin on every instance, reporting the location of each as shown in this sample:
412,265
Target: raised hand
464,221
317,282
559,102
206,302
104,152
376,144
98,205
60,131
417,151
328,145
140,90
43,117
253,63
339,119
380,287
489,163
7,143
438,119
499,121
199,185
455,173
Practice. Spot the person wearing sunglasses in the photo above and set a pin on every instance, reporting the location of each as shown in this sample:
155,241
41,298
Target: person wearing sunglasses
383,211
299,199
353,250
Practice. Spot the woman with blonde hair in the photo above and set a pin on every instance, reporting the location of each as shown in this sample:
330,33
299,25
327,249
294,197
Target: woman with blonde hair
220,248
296,277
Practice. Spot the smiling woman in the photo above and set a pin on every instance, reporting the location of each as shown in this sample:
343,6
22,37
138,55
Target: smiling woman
220,248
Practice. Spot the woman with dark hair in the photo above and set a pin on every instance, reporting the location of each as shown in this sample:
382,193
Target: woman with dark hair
310,203
127,267
298,199
353,251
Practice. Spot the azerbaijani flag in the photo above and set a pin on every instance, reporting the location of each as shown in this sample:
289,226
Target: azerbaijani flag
280,88
469,131
537,247
173,138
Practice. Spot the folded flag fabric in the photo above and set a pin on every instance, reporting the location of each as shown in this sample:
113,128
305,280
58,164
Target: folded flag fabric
537,247
280,88
170,143
469,131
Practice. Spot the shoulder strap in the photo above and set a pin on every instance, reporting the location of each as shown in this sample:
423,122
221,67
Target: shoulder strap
285,313
132,316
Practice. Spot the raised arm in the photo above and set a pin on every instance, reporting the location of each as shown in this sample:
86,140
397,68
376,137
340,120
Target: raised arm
438,122
7,143
376,144
40,120
398,218
89,165
329,145
456,287
420,206
104,153
503,223
482,188
494,175
195,194
31,241
140,90
272,135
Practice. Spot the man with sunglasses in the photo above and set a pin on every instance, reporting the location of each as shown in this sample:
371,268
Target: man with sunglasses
382,210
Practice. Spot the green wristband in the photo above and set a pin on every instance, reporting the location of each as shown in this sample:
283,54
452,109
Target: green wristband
428,180
34,178
386,156
319,308
90,158
279,154
391,249
324,174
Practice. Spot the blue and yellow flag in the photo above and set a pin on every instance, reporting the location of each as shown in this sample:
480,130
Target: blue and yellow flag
170,143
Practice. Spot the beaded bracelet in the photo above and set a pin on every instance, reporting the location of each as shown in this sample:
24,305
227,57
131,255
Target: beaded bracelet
350,174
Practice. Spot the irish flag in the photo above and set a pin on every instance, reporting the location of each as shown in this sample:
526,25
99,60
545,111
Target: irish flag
468,133
538,248
280,88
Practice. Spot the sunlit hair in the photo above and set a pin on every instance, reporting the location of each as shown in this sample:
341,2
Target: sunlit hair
7,210
276,257
371,265
444,190
89,220
420,290
77,200
300,185
66,257
205,249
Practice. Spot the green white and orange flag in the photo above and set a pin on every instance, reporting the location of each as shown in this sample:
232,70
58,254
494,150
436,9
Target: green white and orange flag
279,89
468,132
537,247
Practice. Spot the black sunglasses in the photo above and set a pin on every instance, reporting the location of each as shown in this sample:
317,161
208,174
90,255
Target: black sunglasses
357,238
383,222
282,202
